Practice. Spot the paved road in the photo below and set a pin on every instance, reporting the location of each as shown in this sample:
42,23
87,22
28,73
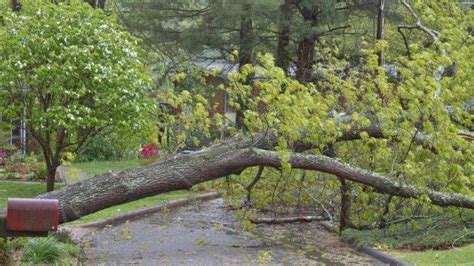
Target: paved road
207,234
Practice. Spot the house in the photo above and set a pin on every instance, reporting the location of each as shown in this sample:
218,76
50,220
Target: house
219,100
17,135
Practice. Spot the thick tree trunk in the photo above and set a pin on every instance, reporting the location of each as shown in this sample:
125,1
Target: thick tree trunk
185,170
304,63
305,60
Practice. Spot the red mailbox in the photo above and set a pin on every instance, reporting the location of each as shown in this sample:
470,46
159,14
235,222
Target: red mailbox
32,215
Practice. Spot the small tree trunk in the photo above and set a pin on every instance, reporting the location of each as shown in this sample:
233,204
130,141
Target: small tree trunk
246,36
50,179
344,216
16,5
246,45
380,28
96,3
284,36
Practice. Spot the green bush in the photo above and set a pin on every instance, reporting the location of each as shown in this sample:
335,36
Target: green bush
110,146
43,250
42,173
3,252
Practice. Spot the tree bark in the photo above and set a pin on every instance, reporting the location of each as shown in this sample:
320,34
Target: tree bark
16,5
380,28
305,60
246,36
185,170
344,215
97,3
305,57
282,56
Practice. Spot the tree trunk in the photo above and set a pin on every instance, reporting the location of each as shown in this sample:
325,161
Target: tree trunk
380,28
50,178
16,5
344,215
305,58
185,170
97,3
51,167
246,36
282,56
304,63
246,46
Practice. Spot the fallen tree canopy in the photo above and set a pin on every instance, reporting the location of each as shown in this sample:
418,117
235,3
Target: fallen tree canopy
186,170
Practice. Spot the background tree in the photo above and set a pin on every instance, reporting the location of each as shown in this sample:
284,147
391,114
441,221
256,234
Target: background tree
70,71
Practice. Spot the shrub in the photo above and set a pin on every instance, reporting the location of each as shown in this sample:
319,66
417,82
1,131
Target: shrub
3,252
150,151
12,175
33,165
3,157
110,145
14,162
42,173
43,250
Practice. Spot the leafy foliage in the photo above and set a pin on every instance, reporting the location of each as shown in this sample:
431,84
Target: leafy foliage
69,71
420,111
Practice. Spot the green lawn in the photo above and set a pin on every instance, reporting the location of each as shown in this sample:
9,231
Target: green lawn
456,256
21,190
97,168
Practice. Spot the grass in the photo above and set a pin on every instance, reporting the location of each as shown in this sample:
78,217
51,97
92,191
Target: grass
21,190
98,168
456,256
42,250
54,249
423,236
427,243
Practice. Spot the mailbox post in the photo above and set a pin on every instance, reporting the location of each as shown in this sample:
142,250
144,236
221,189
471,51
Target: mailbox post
29,217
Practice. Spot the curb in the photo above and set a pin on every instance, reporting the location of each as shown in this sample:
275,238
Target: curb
141,212
376,254
383,257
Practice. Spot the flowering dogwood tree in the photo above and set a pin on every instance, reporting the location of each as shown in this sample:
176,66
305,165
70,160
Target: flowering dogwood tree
69,71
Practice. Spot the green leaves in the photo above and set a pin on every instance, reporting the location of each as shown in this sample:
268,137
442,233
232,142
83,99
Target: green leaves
72,67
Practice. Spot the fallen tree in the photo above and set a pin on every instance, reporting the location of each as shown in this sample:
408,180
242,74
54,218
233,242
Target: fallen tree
186,170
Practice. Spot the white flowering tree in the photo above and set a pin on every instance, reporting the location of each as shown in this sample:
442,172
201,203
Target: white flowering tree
69,71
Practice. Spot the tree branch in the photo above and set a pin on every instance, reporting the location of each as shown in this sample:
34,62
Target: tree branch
432,33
